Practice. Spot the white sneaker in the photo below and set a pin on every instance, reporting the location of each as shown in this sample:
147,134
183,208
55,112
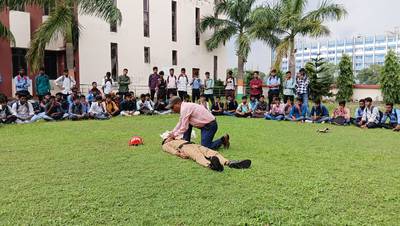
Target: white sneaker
308,121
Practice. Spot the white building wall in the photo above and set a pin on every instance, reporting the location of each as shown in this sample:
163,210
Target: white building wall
95,52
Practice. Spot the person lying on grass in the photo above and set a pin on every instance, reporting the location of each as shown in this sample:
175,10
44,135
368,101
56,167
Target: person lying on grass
202,155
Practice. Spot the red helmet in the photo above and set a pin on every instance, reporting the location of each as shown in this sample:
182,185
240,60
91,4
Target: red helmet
135,141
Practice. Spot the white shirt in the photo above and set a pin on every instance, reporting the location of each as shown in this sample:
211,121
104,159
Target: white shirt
107,87
97,108
20,110
66,83
371,115
171,82
183,83
230,84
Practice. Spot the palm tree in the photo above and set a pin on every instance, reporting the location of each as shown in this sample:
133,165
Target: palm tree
292,20
63,21
239,20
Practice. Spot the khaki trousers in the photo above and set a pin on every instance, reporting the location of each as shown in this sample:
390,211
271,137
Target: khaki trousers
195,152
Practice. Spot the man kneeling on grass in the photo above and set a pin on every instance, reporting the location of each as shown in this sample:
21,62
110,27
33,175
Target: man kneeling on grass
202,155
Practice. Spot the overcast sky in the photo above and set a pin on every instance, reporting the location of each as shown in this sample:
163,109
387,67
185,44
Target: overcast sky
366,17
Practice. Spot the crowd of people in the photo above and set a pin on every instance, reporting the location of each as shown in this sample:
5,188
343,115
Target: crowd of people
103,103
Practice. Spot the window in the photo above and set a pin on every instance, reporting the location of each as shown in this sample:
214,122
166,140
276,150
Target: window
50,64
378,48
146,18
197,26
369,40
147,55
380,39
18,60
369,49
114,60
174,57
215,67
47,8
113,26
174,38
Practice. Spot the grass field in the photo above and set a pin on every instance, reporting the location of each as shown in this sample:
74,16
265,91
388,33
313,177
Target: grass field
84,173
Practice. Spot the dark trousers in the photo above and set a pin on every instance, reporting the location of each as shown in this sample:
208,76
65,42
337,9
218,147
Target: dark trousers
9,119
152,94
182,94
210,97
388,125
372,125
286,98
271,94
207,135
169,91
195,95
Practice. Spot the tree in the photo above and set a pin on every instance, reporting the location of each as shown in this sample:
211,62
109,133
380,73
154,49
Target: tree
390,79
321,75
370,75
239,21
63,21
345,80
292,20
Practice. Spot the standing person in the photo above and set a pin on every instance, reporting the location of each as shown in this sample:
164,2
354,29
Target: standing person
196,86
162,88
182,83
22,82
171,83
371,115
42,83
391,118
256,86
209,88
107,84
153,82
194,115
289,85
273,83
66,83
302,83
123,81
230,85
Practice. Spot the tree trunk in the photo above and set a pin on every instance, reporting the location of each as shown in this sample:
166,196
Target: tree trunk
241,89
292,57
69,52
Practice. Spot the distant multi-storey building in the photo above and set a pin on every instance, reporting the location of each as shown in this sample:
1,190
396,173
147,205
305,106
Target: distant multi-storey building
163,33
364,51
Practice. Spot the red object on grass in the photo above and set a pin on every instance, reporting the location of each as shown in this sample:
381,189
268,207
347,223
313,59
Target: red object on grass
136,141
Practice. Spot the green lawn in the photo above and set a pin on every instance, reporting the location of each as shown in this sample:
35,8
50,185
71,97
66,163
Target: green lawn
84,173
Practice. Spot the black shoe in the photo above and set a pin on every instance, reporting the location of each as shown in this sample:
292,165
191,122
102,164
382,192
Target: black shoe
244,164
225,141
215,164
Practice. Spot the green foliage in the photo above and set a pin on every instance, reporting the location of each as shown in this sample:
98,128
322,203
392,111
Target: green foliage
390,78
84,173
345,80
293,20
370,75
321,75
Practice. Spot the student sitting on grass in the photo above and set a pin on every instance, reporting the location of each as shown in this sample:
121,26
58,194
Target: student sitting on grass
243,110
203,102
98,110
64,103
319,113
371,115
341,115
6,115
288,107
54,110
261,109
231,106
253,103
128,106
391,118
218,107
22,109
298,112
76,111
359,112
143,106
277,110
85,104
110,106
